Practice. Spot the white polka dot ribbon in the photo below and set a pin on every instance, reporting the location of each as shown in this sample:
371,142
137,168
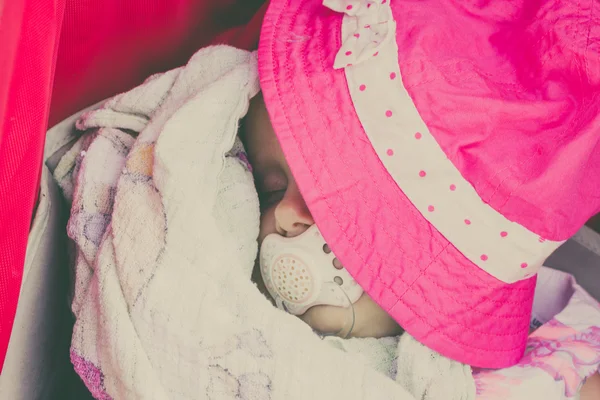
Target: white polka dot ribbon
506,250
368,26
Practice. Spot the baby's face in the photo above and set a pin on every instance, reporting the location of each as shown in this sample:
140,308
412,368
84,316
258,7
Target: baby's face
283,209
284,212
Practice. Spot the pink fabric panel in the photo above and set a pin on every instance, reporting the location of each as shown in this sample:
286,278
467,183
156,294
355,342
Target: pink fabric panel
509,90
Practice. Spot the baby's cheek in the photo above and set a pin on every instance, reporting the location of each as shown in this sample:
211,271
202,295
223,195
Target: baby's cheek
373,321
267,224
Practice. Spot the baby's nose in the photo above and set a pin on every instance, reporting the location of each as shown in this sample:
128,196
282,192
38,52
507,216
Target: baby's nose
292,215
293,230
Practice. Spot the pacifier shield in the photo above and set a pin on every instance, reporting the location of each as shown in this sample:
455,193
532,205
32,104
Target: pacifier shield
301,272
291,278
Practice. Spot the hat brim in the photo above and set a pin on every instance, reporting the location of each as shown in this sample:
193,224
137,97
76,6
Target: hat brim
411,270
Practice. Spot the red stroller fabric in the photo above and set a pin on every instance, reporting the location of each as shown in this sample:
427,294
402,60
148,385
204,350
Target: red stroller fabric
59,56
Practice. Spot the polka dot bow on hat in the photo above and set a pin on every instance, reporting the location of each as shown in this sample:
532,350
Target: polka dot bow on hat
444,148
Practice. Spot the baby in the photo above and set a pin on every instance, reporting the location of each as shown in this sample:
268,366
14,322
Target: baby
284,212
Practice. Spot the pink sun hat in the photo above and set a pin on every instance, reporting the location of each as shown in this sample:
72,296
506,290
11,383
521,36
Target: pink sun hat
444,149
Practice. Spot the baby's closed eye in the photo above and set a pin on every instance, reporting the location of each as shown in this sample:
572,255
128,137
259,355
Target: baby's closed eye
271,198
271,188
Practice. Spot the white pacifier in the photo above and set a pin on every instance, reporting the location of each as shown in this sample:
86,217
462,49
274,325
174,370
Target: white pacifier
302,272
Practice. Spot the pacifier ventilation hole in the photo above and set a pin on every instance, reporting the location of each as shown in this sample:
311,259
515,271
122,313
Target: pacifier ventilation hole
291,279
337,264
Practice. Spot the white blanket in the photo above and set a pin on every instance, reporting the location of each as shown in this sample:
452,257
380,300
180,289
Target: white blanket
164,218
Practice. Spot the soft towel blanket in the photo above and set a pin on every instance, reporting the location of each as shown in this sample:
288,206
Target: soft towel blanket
165,218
